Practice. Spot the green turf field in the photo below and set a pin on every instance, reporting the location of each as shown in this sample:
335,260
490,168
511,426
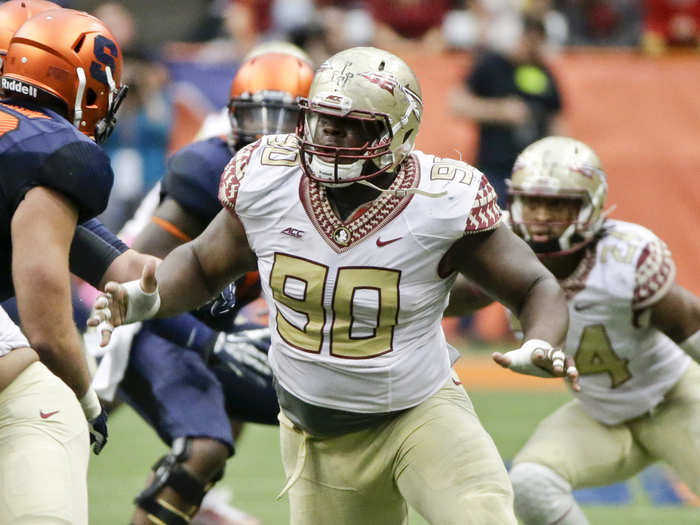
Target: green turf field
255,474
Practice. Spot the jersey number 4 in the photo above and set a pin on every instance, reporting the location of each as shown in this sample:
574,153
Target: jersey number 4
595,355
365,305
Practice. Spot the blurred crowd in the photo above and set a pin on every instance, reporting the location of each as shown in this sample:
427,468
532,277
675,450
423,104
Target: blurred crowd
324,26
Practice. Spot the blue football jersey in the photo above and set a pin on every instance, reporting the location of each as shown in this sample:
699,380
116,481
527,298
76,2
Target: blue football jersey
192,180
40,148
193,174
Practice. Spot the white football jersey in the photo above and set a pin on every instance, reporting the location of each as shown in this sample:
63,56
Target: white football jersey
355,306
626,367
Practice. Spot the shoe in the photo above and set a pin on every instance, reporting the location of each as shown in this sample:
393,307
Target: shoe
216,509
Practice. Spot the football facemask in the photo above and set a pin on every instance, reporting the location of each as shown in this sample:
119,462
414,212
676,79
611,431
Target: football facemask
264,94
339,146
370,89
263,113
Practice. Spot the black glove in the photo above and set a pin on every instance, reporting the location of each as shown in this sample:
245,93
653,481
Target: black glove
223,304
98,432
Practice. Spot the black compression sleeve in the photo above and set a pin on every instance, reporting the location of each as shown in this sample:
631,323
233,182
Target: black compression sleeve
93,250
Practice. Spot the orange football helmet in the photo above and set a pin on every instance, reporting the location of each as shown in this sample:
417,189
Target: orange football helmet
264,93
69,61
13,14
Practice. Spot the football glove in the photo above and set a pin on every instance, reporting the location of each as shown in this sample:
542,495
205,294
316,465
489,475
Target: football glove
96,418
98,432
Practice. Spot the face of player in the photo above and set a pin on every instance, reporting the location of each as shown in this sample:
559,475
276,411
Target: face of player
547,217
342,132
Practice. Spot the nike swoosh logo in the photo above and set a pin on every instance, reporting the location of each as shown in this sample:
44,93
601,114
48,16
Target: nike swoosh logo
579,307
381,243
45,415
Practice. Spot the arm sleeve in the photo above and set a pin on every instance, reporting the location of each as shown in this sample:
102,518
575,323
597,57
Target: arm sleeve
654,275
93,249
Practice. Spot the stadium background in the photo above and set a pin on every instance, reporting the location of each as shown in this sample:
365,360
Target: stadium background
640,113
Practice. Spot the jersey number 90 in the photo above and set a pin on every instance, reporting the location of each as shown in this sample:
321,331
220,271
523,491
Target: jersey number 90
365,305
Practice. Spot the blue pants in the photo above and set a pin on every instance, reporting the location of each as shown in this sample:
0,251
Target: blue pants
179,395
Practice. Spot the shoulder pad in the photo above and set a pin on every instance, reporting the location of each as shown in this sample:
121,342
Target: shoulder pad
485,214
654,275
233,174
193,176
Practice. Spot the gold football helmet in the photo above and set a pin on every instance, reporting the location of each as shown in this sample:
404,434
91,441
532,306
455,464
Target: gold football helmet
560,167
375,90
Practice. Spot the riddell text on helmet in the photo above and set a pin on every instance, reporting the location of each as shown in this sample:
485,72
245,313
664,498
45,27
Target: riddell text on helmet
19,87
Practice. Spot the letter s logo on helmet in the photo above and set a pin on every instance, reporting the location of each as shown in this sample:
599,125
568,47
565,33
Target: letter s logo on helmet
74,65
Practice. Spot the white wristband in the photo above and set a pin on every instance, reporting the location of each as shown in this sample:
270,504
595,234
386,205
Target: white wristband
521,358
91,404
140,305
691,346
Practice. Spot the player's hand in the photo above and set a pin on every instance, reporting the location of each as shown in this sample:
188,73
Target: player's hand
539,358
223,304
123,303
98,432
96,418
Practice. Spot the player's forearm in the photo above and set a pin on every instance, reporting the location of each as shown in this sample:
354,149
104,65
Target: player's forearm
183,282
44,304
65,358
466,298
41,278
544,313
14,363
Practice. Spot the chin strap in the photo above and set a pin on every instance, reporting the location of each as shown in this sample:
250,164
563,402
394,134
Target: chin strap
606,213
402,192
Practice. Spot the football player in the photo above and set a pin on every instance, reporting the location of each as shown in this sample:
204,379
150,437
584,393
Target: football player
189,396
634,334
358,239
61,87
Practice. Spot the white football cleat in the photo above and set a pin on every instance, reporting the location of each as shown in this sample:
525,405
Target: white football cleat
217,510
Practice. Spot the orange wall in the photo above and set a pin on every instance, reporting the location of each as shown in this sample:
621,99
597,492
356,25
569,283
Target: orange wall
641,115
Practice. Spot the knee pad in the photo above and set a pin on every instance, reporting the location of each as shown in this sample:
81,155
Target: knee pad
543,497
168,471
